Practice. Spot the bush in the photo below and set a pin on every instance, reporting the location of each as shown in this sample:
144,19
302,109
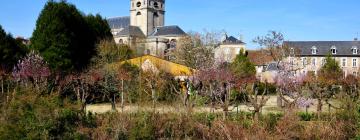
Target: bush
304,116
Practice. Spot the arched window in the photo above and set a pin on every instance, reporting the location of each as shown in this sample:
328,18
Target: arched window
138,4
156,14
333,50
138,13
313,50
156,5
121,41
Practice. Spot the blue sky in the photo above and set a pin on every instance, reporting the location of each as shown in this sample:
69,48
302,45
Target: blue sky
296,19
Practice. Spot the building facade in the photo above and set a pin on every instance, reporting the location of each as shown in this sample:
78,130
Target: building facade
145,28
228,49
310,56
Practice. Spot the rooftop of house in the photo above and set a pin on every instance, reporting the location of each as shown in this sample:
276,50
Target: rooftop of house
259,57
231,40
323,48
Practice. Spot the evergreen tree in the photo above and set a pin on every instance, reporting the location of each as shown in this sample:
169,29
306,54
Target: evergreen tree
330,73
242,67
10,50
65,38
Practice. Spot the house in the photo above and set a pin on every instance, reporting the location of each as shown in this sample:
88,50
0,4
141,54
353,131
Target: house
310,56
228,49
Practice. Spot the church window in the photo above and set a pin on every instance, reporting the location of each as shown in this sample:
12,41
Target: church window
138,4
121,41
156,5
138,13
156,14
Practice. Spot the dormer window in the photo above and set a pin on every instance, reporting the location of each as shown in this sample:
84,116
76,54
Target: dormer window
292,51
313,50
354,50
333,50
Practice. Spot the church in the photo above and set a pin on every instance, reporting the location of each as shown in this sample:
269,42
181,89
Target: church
145,30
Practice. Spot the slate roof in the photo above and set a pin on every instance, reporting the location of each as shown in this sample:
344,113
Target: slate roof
119,22
344,48
168,31
131,31
232,40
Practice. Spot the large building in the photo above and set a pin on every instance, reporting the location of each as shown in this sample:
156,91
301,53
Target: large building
145,28
309,56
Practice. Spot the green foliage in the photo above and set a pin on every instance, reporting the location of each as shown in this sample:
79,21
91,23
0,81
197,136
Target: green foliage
109,52
144,128
304,116
330,73
66,38
10,50
242,67
271,119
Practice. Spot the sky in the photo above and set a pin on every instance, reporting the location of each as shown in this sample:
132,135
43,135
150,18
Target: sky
298,20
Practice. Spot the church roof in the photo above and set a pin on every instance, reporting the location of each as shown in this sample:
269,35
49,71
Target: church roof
119,22
232,40
168,31
131,31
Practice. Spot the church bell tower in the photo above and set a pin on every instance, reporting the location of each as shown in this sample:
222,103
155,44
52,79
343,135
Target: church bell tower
147,14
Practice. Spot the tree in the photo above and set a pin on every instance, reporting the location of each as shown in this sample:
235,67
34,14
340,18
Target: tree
10,51
32,69
65,38
242,67
330,73
100,27
273,43
190,52
109,52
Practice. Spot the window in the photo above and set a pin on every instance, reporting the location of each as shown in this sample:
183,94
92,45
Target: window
156,5
292,51
304,61
138,4
314,61
355,73
323,61
138,13
292,61
333,50
313,50
354,50
343,62
121,41
354,62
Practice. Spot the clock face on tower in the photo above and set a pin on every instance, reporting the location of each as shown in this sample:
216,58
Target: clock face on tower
138,4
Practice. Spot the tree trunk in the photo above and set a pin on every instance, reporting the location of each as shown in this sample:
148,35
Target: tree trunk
319,107
113,103
122,95
2,86
153,94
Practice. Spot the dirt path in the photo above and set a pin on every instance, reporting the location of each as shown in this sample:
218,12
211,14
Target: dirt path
271,106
